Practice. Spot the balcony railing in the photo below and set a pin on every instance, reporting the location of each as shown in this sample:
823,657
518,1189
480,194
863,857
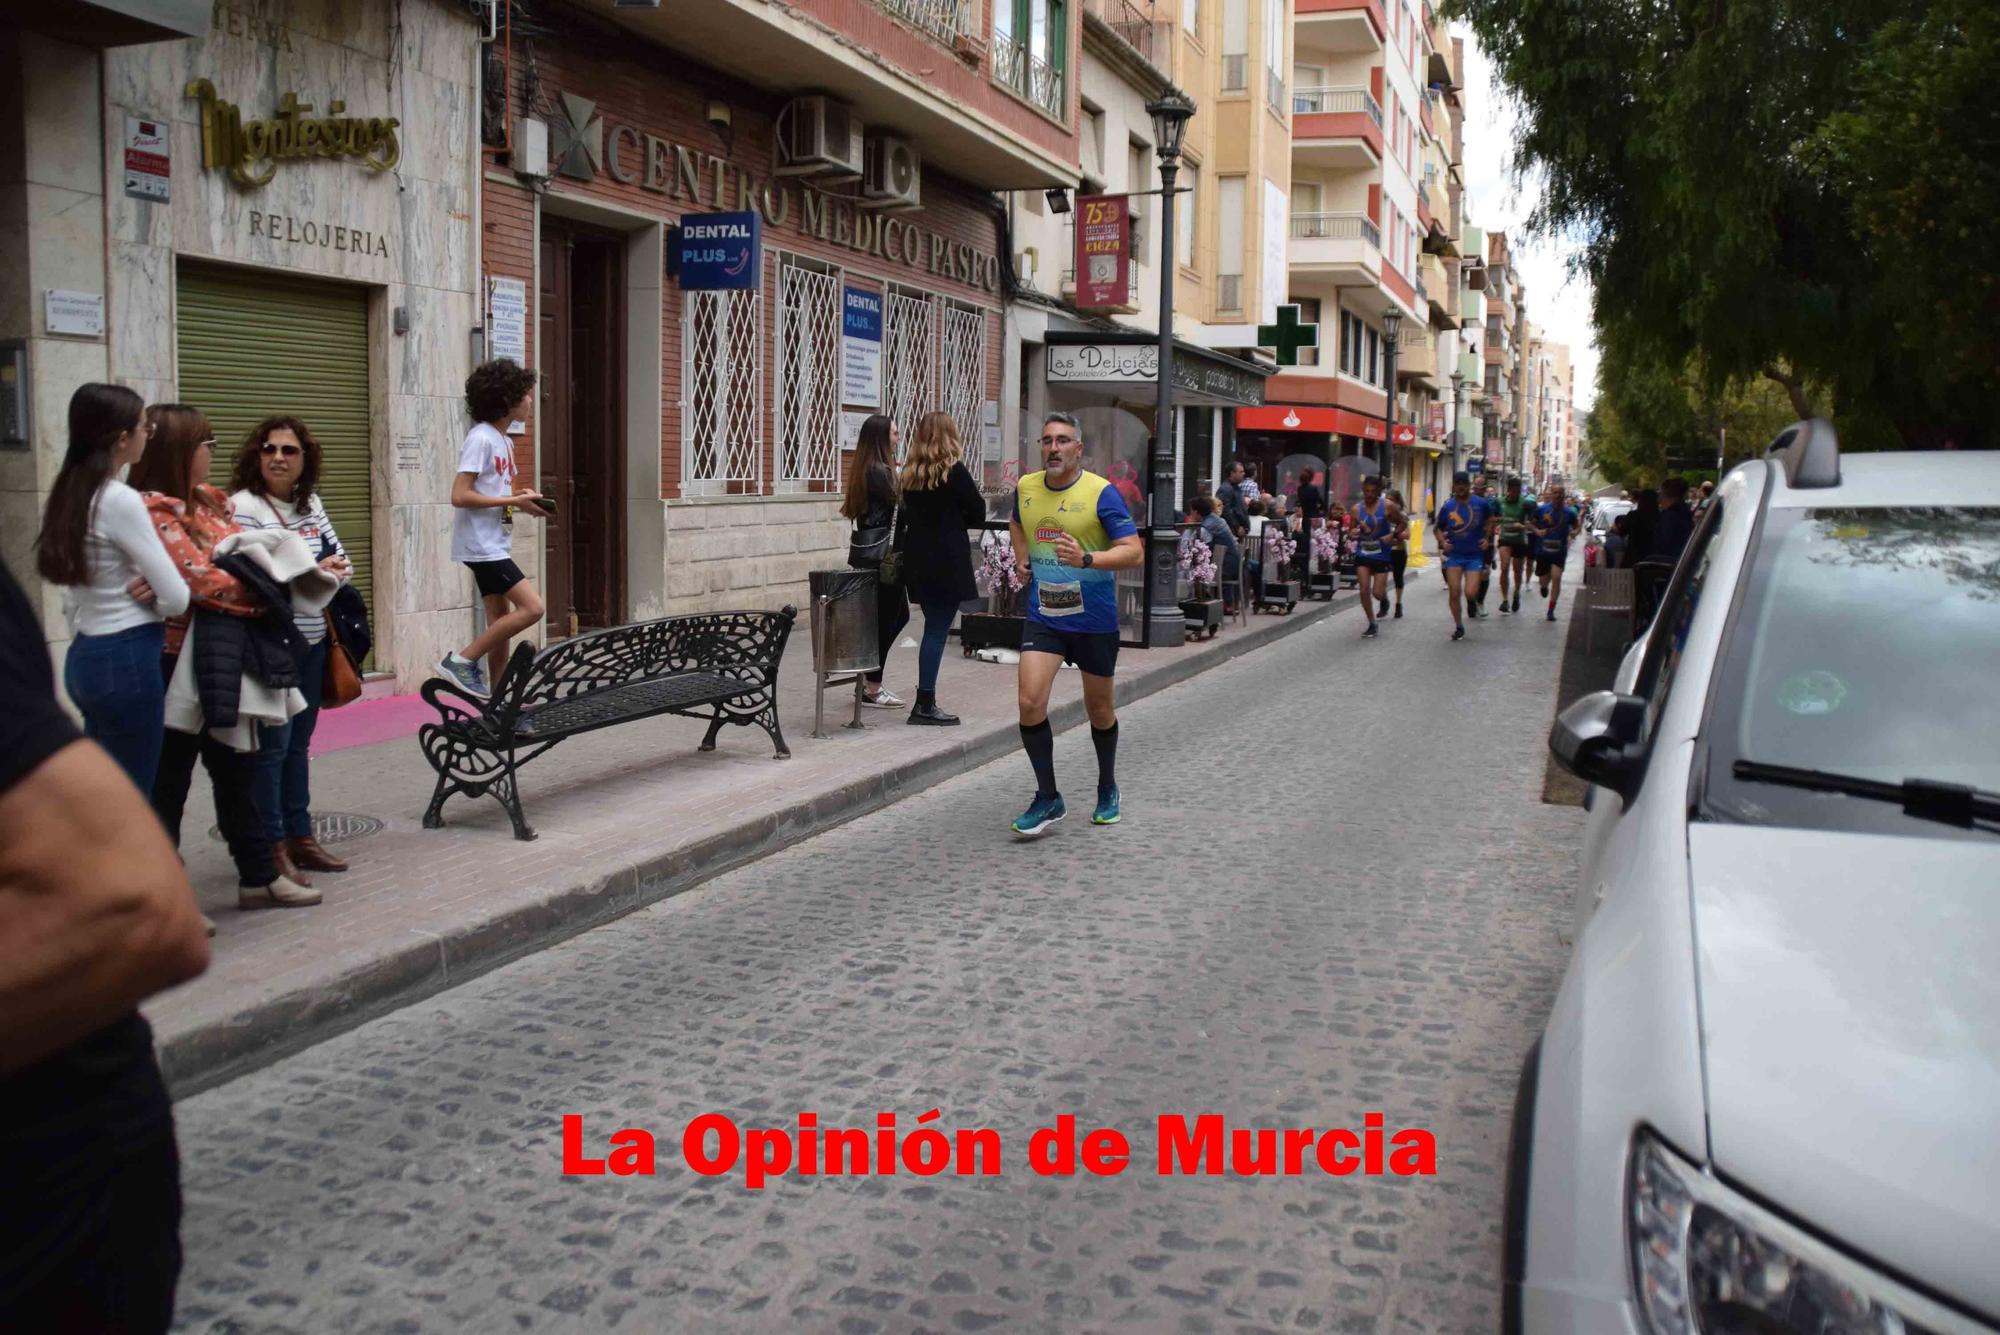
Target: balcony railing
1128,21
942,19
1229,292
1337,227
1306,101
1235,73
1028,75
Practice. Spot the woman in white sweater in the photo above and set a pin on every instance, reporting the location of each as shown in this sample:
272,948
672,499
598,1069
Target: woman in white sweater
275,482
98,543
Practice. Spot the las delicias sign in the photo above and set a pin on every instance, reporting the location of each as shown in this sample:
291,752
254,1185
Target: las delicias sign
250,151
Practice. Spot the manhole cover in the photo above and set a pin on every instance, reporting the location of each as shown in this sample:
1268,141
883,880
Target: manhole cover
330,827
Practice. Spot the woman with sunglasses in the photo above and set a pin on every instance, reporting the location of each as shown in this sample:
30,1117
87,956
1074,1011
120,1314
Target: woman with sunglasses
97,544
191,517
275,484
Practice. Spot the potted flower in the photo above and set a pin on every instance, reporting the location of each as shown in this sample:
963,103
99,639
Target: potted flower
1328,543
999,627
1203,608
1279,549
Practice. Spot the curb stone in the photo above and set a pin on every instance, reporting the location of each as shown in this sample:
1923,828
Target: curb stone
215,1053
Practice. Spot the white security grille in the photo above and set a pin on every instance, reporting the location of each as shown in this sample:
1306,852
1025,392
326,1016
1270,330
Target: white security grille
722,392
808,354
909,370
963,382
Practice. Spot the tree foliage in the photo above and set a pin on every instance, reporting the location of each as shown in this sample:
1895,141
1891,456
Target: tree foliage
1785,189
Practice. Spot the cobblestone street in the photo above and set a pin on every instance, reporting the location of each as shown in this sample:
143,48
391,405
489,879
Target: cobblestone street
1327,898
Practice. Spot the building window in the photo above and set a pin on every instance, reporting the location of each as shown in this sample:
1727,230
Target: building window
1187,213
722,392
807,412
1030,55
1274,54
1229,244
909,362
1235,45
1374,358
963,378
1138,157
1191,17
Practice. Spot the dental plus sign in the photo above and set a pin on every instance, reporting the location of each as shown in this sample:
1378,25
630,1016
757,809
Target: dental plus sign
1288,335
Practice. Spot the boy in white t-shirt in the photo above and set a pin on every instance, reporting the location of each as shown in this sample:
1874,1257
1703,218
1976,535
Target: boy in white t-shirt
496,394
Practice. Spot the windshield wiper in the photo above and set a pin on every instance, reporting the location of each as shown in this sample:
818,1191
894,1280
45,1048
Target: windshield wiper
1926,799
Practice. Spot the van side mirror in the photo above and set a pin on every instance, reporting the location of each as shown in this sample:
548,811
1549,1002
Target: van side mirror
1597,740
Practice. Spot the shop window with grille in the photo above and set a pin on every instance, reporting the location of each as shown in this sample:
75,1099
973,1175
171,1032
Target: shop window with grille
807,416
963,379
722,393
909,361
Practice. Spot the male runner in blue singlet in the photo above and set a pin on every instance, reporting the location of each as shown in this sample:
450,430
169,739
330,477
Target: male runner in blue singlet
1552,525
1071,530
1379,526
1465,526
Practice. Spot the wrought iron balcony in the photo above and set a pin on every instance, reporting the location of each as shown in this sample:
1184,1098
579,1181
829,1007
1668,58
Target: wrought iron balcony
1029,75
1129,21
942,19
1337,227
1307,101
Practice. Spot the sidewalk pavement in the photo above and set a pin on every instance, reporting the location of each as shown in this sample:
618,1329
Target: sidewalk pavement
626,816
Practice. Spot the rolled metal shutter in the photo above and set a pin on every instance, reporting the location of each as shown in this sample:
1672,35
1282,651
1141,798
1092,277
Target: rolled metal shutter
253,345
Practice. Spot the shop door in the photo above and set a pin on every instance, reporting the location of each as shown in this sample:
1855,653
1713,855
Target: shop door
253,345
579,428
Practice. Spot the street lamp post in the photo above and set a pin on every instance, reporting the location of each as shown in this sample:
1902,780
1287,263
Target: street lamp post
1392,330
1165,624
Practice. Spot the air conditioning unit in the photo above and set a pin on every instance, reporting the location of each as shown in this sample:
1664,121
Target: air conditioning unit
893,174
818,136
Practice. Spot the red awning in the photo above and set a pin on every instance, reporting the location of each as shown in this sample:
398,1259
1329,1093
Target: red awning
1322,421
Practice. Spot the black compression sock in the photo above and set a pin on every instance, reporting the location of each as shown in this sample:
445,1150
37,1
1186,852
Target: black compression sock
1040,741
1106,742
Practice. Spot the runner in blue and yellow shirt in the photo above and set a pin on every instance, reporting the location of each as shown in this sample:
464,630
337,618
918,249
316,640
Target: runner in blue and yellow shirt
1465,526
1071,530
1552,525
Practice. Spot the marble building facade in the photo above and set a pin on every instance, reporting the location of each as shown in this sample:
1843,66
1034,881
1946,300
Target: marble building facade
331,141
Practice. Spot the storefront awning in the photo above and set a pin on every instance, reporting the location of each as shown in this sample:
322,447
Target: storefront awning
1132,357
1324,421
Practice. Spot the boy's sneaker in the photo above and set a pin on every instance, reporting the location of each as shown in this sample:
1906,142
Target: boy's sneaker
1107,807
466,675
1041,813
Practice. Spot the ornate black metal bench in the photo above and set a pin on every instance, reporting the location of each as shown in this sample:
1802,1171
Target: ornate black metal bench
720,666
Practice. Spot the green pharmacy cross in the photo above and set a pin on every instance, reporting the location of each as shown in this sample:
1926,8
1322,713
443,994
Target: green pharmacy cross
1288,335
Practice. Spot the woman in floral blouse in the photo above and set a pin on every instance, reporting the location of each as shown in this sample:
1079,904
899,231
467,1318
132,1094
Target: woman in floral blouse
191,518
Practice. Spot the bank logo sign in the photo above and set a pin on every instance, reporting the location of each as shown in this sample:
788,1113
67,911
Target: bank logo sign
717,250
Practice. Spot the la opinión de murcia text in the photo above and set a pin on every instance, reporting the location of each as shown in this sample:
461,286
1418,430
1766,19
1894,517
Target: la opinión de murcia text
713,1145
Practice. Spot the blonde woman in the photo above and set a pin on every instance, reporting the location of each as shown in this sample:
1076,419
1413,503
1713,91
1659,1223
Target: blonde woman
940,502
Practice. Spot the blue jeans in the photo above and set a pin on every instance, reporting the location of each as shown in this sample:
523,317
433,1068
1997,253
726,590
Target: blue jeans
116,684
937,628
284,790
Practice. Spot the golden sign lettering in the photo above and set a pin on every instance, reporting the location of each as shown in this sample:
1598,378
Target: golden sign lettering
251,150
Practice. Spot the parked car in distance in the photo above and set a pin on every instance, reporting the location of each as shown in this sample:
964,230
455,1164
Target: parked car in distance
1602,514
1767,1098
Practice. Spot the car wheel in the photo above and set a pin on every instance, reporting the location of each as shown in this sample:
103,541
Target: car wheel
1514,1236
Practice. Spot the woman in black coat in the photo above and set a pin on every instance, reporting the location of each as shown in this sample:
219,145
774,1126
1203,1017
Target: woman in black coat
940,502
871,502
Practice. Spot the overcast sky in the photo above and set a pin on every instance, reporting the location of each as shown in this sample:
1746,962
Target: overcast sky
1556,302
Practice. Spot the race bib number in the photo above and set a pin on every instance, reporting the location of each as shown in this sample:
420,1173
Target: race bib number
1060,600
1553,546
1370,547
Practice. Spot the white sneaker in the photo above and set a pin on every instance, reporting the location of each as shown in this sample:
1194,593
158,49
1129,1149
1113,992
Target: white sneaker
884,699
283,893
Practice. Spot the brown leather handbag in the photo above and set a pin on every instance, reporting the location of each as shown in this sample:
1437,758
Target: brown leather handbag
341,684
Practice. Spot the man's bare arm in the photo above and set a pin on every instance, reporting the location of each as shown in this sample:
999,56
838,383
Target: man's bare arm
94,905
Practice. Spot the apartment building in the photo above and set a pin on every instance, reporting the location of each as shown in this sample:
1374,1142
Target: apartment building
1374,106
1226,253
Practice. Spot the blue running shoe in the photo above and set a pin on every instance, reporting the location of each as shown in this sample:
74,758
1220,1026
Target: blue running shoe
1107,807
468,677
1041,813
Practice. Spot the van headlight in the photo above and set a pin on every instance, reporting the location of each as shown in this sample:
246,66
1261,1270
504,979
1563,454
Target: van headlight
1706,1261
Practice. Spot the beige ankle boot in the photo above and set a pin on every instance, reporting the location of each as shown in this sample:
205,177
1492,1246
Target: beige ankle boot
283,893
